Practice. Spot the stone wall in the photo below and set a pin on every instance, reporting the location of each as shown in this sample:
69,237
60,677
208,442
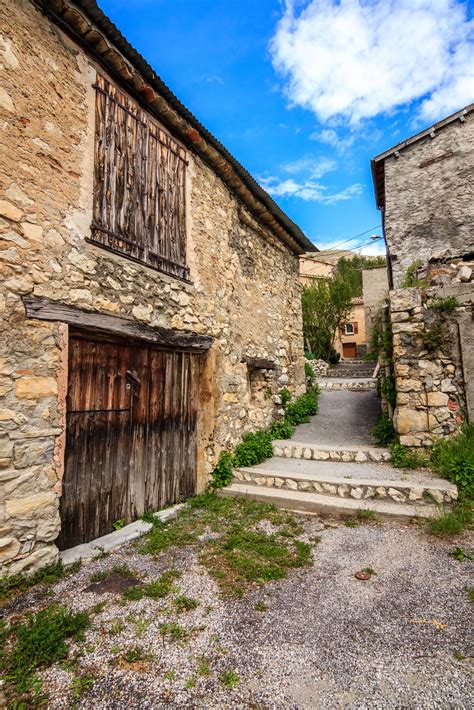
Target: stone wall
428,205
432,370
244,288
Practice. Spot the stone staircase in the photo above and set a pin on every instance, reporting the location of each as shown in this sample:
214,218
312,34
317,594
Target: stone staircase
339,480
352,369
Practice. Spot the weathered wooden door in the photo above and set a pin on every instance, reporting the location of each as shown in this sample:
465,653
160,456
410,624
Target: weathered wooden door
349,350
131,435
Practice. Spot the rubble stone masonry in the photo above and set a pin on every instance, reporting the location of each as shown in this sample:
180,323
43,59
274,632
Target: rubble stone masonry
244,288
429,197
433,358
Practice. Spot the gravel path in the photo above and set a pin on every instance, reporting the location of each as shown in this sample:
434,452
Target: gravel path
326,640
344,417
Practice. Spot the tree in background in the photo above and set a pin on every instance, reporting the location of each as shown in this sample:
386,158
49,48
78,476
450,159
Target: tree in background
350,269
326,304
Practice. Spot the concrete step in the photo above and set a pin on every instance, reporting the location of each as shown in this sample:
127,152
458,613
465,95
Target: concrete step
305,502
350,373
344,383
287,448
346,481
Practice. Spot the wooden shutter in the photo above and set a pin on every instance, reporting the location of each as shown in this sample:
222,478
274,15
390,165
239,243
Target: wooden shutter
139,184
356,328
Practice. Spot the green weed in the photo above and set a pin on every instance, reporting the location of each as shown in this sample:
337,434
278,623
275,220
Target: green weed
403,457
154,590
470,594
229,679
452,521
261,606
203,666
366,514
135,654
445,305
454,459
81,684
370,571
184,603
383,431
124,570
116,628
16,584
98,576
38,642
174,631
460,555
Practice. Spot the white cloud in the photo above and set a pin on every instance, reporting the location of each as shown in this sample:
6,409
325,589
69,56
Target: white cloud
355,59
308,190
315,168
328,136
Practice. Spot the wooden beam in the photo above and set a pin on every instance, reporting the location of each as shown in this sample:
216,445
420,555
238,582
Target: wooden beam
105,324
259,363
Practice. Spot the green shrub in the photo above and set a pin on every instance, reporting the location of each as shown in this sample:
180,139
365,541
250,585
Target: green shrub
403,457
285,396
282,429
223,471
383,431
454,459
309,373
255,448
299,411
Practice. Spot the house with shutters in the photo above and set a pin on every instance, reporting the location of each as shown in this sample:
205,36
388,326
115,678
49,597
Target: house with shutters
350,338
150,299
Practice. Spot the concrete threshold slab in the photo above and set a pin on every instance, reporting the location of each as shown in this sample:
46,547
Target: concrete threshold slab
302,502
90,550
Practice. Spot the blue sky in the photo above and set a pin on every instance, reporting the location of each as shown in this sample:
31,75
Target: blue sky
305,93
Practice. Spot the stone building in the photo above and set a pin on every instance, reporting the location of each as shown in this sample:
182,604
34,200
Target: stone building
425,189
149,298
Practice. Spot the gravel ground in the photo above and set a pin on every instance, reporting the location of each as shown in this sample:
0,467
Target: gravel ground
326,640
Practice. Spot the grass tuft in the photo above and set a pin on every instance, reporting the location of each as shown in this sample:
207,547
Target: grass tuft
452,521
183,603
229,679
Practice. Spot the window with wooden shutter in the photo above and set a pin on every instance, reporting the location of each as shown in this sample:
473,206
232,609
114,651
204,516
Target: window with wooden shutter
139,184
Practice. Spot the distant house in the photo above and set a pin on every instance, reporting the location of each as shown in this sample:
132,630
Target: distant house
350,338
149,298
425,189
375,291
